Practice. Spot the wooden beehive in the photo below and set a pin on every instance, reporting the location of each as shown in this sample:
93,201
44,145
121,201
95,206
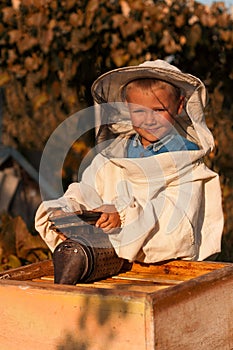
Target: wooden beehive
166,306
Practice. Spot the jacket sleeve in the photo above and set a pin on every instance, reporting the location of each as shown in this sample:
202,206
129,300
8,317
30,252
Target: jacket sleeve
43,224
78,196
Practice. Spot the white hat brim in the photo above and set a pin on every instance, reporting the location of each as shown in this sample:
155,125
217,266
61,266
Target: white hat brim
108,87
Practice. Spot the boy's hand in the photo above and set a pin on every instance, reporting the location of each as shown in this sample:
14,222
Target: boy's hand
110,218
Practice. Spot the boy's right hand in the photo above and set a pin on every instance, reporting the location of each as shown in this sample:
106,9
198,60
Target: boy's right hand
109,219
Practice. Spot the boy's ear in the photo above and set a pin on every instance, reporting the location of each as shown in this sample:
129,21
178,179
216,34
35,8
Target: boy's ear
180,105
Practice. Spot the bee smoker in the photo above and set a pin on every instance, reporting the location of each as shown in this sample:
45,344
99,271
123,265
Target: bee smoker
87,254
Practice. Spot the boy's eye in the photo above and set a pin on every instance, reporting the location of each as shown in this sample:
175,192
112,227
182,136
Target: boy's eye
138,112
159,110
144,111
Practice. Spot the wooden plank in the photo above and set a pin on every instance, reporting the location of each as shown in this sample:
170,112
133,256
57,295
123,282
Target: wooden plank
147,278
197,314
179,268
128,285
29,272
70,317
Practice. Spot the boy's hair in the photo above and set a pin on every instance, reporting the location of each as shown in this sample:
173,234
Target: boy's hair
150,84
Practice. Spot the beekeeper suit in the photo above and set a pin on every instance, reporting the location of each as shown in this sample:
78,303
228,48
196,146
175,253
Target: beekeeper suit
170,203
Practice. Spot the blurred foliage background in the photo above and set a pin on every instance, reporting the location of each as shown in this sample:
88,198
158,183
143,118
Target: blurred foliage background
53,50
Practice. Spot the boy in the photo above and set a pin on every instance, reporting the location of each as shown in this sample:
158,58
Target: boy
150,182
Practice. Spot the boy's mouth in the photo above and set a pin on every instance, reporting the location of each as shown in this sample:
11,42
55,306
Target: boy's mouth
152,130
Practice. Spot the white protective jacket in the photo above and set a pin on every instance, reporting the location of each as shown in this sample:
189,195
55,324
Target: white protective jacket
170,206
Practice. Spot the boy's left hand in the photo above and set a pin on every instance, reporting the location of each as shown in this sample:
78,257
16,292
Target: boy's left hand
109,219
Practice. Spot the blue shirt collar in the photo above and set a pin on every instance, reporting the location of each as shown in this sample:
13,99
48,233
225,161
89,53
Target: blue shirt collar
157,145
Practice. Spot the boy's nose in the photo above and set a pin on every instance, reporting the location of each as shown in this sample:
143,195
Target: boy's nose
150,117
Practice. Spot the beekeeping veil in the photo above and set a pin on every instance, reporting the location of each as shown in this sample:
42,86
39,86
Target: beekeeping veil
113,117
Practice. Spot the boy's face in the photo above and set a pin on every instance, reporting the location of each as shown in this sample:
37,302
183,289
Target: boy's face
152,112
